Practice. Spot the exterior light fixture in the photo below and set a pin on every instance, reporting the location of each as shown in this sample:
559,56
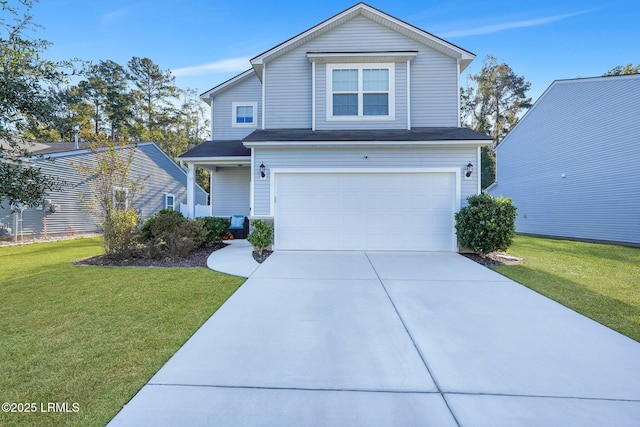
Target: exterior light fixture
469,170
263,171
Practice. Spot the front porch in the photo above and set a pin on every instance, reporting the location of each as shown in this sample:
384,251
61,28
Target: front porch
230,170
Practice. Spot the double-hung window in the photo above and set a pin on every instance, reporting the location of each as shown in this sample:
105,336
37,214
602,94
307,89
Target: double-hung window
360,91
244,114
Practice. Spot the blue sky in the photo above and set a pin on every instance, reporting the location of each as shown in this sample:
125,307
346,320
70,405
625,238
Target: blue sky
205,42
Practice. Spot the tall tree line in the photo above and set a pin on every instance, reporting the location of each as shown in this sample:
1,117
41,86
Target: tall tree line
135,102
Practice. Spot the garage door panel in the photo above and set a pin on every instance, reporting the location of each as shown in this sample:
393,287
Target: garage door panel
370,211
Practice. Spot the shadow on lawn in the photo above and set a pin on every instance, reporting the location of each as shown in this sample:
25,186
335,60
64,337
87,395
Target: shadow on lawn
608,311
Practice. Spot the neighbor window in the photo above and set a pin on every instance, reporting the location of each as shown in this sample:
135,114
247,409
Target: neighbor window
121,198
360,91
245,114
170,201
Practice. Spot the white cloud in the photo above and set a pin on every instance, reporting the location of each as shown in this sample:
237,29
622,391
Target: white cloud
488,29
115,16
223,65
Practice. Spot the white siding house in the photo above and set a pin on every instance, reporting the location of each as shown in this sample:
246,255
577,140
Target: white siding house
571,163
345,134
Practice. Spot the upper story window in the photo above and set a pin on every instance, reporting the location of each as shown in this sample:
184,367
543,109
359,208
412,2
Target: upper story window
244,114
360,91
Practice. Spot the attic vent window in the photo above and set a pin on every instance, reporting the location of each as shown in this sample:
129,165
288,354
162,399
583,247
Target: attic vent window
360,91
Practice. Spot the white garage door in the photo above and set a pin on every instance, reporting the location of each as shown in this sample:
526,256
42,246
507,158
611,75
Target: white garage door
365,211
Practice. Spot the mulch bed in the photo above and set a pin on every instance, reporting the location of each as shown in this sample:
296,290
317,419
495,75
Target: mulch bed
494,259
261,258
196,259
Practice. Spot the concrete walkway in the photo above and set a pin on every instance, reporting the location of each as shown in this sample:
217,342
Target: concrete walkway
235,259
386,339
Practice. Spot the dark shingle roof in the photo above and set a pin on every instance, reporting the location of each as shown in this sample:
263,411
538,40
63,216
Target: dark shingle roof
417,134
218,149
56,147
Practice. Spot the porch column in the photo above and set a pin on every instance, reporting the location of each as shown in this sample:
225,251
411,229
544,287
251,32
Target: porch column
211,173
191,191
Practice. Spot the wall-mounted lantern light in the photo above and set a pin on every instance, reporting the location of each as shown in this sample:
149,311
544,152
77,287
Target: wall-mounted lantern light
263,171
469,170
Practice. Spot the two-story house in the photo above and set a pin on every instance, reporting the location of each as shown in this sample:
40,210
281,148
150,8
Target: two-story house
346,136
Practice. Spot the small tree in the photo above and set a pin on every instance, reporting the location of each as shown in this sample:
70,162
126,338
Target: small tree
486,224
261,236
112,191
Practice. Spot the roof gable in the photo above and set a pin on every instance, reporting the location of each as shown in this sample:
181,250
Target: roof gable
206,96
369,12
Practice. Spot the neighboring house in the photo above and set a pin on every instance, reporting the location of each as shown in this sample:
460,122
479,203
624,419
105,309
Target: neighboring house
571,164
346,136
63,213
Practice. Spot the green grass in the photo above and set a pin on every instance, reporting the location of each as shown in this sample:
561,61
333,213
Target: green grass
600,281
91,335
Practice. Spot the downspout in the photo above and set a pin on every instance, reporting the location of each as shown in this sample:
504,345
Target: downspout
458,88
313,95
252,183
211,101
479,174
264,93
408,95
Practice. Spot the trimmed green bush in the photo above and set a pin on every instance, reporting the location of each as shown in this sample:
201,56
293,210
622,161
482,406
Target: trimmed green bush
261,236
486,224
169,234
217,227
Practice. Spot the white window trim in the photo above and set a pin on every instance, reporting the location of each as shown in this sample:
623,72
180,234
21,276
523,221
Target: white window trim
114,202
235,105
360,66
166,201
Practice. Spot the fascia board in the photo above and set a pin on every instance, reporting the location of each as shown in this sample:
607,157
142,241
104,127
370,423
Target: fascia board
292,144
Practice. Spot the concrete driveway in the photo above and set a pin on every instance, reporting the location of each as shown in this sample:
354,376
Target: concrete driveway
392,339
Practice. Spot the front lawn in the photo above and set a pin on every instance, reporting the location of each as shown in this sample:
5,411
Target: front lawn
600,281
91,336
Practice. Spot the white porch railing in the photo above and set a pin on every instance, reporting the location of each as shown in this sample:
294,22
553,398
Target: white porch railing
200,210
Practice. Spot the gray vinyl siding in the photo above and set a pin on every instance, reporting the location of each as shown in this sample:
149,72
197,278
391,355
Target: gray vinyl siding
434,90
434,87
355,158
588,130
162,176
249,90
230,193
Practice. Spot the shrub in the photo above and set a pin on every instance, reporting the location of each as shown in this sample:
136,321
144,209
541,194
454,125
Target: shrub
169,234
261,236
166,218
486,224
217,227
120,233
